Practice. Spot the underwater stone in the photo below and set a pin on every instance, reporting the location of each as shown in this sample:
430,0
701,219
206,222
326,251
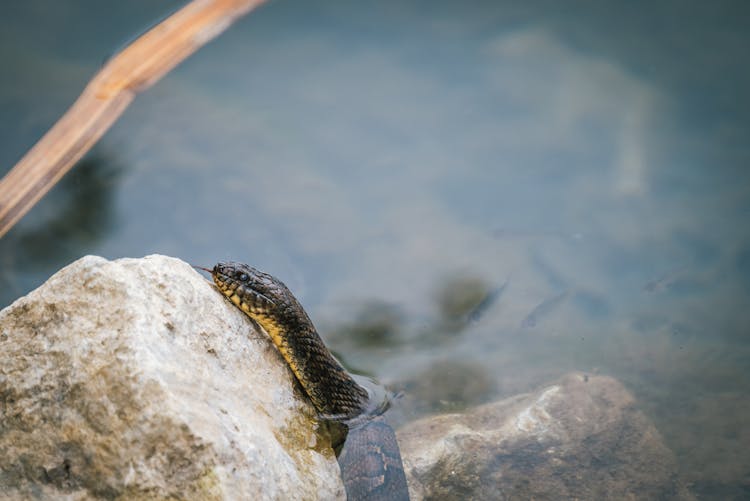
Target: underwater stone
582,437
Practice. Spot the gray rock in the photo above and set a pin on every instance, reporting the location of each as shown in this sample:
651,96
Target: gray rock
134,379
581,438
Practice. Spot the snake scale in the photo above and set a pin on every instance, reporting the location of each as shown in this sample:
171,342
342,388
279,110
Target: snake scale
370,460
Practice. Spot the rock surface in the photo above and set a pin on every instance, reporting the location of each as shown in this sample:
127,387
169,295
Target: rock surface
581,438
133,379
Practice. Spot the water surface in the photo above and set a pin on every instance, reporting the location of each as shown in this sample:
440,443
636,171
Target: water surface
486,195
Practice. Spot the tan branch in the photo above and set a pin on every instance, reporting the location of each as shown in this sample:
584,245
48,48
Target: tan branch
137,67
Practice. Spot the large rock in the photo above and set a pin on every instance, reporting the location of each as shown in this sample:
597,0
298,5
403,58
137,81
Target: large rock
581,438
134,379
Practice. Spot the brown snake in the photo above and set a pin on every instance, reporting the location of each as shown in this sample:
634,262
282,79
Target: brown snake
370,460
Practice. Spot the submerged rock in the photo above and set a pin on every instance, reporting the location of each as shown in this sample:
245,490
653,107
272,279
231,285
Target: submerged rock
134,379
581,438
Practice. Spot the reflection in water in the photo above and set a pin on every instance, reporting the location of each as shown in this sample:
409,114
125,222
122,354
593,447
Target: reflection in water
76,214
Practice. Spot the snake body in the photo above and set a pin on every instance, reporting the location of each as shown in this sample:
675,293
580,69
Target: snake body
370,460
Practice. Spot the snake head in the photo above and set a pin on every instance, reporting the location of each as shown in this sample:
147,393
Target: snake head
251,290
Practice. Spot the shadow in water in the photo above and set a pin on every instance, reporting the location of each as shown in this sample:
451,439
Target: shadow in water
463,299
376,324
64,225
448,386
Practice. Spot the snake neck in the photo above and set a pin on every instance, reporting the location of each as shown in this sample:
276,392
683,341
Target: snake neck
269,302
371,466
333,392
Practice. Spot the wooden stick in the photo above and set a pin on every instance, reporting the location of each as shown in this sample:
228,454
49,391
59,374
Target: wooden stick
136,68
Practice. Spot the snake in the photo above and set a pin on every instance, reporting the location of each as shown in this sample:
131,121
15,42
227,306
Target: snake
370,459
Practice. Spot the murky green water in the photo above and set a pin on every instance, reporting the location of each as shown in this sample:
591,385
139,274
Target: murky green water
470,199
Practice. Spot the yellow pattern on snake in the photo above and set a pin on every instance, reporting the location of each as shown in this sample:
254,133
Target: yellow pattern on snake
370,461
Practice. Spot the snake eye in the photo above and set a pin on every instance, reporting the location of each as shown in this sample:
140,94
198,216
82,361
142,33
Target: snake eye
242,277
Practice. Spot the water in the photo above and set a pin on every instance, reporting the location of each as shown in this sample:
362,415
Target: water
492,193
